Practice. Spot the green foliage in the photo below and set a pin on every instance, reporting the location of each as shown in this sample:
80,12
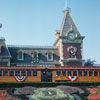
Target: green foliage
50,94
47,84
89,62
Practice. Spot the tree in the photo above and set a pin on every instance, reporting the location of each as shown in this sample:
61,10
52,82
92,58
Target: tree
89,62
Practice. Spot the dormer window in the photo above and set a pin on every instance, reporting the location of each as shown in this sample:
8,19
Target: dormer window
35,56
0,49
49,56
20,55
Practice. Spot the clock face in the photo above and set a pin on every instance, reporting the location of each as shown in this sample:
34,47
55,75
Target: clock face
71,36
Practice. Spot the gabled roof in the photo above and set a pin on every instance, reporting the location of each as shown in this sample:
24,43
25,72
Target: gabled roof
68,25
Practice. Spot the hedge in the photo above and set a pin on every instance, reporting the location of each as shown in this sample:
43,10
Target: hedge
46,84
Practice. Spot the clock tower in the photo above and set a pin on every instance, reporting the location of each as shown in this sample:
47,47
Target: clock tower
69,42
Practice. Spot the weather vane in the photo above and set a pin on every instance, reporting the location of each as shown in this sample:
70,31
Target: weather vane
66,7
65,4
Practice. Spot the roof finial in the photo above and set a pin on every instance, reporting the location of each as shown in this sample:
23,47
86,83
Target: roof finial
65,4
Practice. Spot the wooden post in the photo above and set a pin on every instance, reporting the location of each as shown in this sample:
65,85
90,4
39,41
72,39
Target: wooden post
93,73
26,73
77,72
31,72
82,73
72,73
8,72
98,73
14,72
88,73
2,72
20,73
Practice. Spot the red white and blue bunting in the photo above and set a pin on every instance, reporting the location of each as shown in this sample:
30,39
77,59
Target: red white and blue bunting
72,78
20,78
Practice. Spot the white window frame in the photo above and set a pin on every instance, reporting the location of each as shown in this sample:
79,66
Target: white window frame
22,55
51,56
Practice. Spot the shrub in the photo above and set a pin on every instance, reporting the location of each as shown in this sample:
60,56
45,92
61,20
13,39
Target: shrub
50,94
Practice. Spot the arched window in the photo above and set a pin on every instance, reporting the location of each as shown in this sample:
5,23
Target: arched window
35,56
20,55
49,56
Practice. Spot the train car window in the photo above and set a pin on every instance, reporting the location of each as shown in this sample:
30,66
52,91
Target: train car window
0,73
34,73
58,73
23,73
17,73
11,73
74,73
95,73
80,73
85,73
90,73
64,73
69,73
5,73
28,73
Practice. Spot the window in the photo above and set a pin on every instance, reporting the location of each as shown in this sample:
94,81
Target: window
5,73
0,73
80,73
20,55
0,49
34,73
85,73
69,73
58,73
49,56
11,73
28,73
74,73
90,73
95,73
35,57
23,73
17,73
64,73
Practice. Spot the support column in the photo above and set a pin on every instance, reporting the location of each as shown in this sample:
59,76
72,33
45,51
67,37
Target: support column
77,72
82,73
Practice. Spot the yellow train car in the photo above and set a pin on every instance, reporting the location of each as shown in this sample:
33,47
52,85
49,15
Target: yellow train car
75,74
50,74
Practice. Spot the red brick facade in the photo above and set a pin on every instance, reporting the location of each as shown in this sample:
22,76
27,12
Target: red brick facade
73,64
66,53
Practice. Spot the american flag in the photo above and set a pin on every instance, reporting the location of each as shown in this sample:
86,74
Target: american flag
0,25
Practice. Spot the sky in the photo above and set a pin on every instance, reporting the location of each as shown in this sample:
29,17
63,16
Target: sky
34,22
